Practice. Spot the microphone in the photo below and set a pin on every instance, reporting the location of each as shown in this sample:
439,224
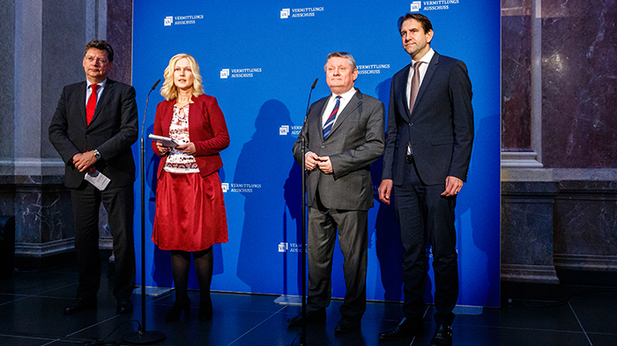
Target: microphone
303,237
143,123
312,87
304,124
158,81
309,98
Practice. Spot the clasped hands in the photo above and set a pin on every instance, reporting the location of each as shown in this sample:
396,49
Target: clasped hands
84,162
188,148
312,161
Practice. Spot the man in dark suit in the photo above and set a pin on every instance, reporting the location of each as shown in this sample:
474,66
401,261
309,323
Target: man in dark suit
344,134
93,129
428,148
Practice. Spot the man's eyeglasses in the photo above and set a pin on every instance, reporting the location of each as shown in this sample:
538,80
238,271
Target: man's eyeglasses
92,59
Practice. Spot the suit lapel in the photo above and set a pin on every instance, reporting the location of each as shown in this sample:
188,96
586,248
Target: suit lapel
81,97
319,120
193,116
430,71
353,104
109,85
402,93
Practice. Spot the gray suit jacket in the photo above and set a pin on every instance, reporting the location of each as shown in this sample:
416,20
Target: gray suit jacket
355,141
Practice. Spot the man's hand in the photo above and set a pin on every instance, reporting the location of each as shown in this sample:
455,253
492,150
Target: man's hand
385,189
453,186
85,161
310,161
325,165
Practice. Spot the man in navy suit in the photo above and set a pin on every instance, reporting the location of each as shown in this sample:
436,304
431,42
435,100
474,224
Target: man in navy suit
93,129
428,148
344,134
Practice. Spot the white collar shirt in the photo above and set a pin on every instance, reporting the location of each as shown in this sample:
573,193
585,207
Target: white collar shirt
345,98
426,59
99,91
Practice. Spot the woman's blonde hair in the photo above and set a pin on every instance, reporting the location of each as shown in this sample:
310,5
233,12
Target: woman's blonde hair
169,90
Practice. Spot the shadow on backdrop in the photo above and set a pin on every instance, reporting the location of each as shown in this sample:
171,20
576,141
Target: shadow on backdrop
261,174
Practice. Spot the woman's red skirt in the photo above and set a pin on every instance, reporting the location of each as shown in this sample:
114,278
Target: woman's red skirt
190,212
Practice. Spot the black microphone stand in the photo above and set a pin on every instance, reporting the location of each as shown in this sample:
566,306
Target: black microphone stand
143,336
303,237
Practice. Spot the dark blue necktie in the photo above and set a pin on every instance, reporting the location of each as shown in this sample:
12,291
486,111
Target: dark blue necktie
327,127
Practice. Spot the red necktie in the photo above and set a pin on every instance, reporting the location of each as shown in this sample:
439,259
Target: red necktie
91,106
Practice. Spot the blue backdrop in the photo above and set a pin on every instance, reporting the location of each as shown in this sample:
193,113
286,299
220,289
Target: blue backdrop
259,60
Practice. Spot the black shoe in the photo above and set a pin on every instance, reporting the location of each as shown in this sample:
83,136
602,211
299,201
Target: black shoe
311,317
443,336
176,311
406,328
347,325
205,310
125,306
80,304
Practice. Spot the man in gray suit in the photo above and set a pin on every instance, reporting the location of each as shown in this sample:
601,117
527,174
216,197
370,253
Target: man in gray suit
344,134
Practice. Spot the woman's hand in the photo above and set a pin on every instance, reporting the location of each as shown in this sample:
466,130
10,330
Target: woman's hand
162,149
188,148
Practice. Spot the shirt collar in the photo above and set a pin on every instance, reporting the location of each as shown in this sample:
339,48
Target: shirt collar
101,84
427,57
346,95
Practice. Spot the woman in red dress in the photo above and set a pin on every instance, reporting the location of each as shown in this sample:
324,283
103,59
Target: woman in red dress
190,210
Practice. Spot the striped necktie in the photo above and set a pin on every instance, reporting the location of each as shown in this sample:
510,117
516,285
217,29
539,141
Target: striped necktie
327,127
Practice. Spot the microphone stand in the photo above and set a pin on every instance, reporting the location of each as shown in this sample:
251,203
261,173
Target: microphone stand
143,336
303,237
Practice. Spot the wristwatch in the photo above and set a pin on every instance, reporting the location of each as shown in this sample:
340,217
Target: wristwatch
97,155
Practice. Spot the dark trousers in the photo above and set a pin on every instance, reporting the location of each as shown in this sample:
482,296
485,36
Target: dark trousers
352,228
423,215
118,203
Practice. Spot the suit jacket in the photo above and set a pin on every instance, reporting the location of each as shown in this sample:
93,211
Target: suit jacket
112,131
207,130
440,129
355,141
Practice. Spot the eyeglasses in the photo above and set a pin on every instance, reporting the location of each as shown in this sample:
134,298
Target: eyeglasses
92,59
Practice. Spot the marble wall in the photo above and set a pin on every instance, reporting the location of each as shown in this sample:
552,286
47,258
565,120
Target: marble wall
559,101
43,45
516,75
579,84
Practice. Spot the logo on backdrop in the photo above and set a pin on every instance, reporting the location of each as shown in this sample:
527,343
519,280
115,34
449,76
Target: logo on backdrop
372,69
182,20
432,5
289,247
300,12
239,188
284,130
239,72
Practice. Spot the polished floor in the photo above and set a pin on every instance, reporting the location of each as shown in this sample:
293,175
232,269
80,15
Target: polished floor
31,305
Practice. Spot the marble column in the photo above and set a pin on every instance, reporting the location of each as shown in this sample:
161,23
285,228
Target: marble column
43,43
558,109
